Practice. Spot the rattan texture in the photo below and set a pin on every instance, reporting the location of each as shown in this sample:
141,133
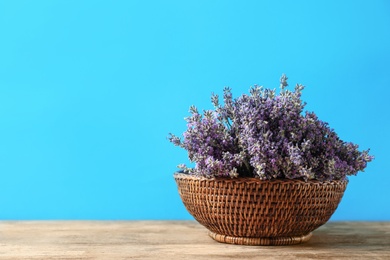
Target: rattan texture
246,209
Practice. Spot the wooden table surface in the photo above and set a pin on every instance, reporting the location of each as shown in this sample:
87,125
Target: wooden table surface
179,240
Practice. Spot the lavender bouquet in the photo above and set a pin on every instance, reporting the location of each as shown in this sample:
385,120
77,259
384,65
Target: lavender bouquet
266,135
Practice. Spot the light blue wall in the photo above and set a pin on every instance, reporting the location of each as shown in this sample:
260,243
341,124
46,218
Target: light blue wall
89,91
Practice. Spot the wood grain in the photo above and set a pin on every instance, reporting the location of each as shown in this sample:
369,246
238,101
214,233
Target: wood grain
179,240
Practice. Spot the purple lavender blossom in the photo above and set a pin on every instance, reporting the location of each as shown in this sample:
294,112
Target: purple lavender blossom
266,135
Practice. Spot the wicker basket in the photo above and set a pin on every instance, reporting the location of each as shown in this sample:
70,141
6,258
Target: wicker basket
249,211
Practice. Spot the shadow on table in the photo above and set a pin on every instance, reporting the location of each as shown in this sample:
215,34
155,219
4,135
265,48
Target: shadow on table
354,235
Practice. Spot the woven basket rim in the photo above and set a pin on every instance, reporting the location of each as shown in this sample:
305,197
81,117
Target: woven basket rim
179,175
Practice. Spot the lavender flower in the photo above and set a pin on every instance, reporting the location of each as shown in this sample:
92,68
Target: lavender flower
266,135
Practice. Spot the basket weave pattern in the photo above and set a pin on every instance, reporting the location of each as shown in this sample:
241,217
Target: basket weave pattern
262,212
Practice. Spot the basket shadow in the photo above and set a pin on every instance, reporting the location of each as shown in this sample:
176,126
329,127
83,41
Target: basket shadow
348,236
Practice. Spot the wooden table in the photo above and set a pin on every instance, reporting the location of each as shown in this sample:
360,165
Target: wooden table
179,240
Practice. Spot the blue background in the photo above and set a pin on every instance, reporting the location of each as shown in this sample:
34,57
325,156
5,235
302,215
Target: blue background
89,91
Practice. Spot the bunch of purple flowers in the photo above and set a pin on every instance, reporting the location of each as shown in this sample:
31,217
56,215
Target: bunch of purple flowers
266,135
